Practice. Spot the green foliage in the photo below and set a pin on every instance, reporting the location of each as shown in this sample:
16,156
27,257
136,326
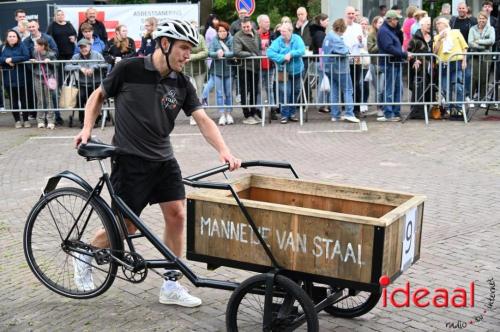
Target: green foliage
276,9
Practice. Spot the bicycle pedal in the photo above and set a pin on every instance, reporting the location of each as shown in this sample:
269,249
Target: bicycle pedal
172,275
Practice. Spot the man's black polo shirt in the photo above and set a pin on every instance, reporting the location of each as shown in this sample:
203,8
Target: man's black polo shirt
146,107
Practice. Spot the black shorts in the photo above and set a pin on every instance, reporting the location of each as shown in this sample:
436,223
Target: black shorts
138,181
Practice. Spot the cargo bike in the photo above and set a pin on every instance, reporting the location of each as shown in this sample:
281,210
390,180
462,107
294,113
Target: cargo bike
317,246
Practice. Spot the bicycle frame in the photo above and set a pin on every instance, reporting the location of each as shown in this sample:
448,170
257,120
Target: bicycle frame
122,212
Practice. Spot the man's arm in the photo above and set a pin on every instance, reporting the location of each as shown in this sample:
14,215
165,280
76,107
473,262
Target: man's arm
213,136
92,109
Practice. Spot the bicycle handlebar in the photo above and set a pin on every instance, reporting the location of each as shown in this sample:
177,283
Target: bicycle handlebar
193,179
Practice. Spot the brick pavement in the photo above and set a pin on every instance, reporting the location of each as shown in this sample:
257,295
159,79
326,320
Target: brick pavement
455,165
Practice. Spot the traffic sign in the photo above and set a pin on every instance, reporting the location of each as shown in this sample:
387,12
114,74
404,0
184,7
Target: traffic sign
248,5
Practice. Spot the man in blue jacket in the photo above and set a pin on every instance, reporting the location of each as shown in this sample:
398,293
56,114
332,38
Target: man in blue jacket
35,33
389,43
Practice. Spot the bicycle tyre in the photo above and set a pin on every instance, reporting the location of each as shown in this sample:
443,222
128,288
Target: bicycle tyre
44,247
355,305
238,306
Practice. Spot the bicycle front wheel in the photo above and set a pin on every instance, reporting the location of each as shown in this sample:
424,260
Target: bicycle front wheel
60,239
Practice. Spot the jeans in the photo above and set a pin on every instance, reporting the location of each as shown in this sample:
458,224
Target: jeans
223,89
392,74
467,81
453,79
341,82
289,93
268,86
208,87
377,83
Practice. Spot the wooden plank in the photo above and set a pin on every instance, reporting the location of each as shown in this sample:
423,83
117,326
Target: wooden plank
325,189
300,243
318,202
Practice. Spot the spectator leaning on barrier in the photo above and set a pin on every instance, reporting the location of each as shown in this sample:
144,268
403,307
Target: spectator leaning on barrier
64,35
318,33
90,73
42,71
463,22
267,66
236,25
35,34
210,34
12,53
376,72
353,38
220,50
446,43
147,41
481,39
337,69
120,47
287,52
246,43
97,45
97,26
389,42
420,68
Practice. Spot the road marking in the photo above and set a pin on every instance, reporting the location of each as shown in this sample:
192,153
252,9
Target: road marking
71,137
362,128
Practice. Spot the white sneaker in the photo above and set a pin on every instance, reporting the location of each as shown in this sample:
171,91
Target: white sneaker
2,110
380,113
192,121
471,105
483,106
175,293
27,124
41,125
18,125
363,108
222,120
250,121
229,119
351,119
51,126
83,272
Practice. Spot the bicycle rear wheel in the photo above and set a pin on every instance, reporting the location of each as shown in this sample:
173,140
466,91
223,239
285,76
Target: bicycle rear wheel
58,244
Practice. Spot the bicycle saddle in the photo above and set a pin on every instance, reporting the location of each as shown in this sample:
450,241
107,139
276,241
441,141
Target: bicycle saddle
96,150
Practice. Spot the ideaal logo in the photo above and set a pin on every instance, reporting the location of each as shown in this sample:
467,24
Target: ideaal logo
422,297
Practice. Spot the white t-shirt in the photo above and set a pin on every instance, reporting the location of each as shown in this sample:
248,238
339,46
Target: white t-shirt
350,38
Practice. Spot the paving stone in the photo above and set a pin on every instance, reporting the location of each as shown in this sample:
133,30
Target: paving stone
455,165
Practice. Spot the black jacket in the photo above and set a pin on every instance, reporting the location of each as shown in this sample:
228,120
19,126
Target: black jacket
317,36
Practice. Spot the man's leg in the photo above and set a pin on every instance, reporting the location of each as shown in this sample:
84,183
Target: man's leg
174,216
171,291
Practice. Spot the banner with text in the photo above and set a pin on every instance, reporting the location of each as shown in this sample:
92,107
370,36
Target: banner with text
132,16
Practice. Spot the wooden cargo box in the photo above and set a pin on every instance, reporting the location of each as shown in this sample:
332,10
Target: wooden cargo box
344,233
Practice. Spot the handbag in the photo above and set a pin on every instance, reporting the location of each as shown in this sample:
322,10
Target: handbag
325,84
50,81
69,93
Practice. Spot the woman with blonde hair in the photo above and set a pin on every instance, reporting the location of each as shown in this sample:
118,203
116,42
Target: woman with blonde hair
120,47
419,14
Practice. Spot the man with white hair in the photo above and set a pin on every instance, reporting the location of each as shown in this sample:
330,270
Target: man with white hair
353,38
267,66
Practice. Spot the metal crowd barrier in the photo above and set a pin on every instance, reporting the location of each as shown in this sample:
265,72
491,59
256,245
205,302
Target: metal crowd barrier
255,84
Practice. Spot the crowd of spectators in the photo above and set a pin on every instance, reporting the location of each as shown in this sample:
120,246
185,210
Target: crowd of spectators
342,57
